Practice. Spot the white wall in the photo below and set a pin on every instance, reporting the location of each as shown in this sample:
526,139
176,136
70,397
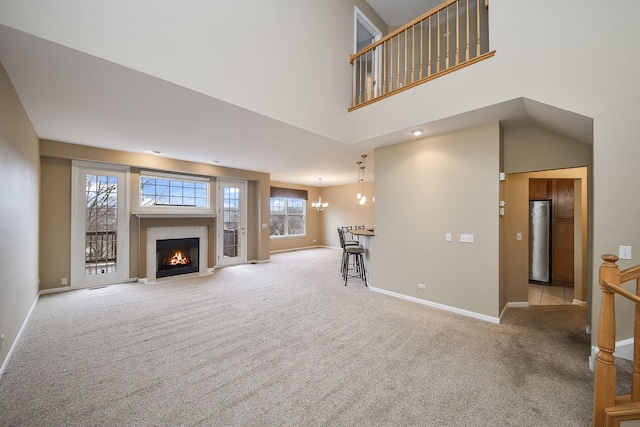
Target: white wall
19,213
555,53
270,57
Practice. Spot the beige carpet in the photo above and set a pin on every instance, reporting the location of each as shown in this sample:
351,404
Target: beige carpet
285,343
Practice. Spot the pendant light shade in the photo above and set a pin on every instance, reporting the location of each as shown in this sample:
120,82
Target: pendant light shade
360,196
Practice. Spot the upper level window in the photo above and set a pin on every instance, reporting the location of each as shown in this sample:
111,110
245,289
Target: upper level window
287,216
160,190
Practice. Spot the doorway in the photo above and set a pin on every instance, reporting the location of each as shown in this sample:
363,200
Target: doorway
562,250
232,223
99,224
366,72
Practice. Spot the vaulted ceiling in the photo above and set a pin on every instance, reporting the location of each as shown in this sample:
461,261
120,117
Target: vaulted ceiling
78,98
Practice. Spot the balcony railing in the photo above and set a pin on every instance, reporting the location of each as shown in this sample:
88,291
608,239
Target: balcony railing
448,37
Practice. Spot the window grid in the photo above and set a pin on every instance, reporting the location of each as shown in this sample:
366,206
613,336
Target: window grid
231,222
287,216
175,192
101,224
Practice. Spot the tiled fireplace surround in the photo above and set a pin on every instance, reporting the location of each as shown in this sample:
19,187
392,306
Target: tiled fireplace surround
157,227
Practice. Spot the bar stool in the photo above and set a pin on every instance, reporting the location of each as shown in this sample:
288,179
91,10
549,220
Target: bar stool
349,248
343,243
358,263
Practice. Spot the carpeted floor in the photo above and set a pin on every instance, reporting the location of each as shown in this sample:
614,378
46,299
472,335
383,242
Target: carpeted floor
286,343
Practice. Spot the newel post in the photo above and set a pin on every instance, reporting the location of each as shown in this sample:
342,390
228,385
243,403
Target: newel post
605,370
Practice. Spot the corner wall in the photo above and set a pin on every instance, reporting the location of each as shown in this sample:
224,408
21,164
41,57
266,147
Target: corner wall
19,214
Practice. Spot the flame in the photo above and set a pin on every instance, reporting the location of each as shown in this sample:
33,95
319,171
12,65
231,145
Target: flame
178,259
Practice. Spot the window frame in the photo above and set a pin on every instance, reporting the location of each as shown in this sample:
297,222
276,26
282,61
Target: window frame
175,178
303,203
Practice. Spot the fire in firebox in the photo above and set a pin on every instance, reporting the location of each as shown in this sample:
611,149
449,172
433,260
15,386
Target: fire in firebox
177,256
178,259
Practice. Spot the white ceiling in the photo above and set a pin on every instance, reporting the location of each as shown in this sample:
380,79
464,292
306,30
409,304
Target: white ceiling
78,98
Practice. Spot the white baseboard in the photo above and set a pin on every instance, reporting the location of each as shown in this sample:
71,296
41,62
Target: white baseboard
578,302
301,248
75,288
524,304
437,305
15,342
513,304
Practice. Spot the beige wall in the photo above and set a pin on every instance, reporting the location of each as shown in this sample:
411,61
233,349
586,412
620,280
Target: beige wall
531,148
55,222
425,189
55,235
19,213
343,210
314,223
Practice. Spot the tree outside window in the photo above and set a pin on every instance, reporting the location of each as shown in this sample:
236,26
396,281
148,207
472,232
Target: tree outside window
287,216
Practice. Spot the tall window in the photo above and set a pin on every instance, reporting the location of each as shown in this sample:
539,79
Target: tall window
287,216
176,191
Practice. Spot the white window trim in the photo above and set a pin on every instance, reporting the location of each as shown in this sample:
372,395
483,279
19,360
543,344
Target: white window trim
291,236
176,209
77,278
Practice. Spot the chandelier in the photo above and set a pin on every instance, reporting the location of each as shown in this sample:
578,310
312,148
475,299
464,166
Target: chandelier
360,196
320,205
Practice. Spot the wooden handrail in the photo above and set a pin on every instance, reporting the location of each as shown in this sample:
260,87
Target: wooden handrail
401,29
622,291
447,37
609,409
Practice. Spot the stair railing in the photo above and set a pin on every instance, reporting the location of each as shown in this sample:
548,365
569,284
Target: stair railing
446,38
609,409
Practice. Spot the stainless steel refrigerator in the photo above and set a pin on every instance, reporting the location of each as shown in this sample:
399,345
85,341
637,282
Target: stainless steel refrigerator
539,241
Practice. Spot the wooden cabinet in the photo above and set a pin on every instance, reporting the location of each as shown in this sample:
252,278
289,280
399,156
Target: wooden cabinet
538,189
562,250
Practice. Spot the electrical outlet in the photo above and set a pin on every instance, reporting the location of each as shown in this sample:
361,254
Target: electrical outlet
518,236
422,286
624,252
63,281
447,237
466,238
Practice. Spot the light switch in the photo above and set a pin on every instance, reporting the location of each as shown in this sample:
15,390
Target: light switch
447,237
518,236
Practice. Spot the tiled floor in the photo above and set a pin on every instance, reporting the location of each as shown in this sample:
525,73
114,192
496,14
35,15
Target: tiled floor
550,294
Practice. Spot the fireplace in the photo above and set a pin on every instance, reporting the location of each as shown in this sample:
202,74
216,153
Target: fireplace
167,231
177,256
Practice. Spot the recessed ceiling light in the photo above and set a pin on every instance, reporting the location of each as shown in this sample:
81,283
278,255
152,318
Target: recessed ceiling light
416,132
157,153
215,162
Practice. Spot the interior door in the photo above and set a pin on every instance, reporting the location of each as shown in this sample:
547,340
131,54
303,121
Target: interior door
366,33
100,224
232,223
